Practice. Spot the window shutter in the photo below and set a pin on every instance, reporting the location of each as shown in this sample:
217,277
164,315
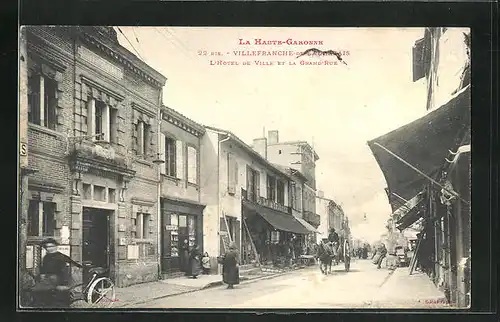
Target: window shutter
151,147
257,185
231,186
192,165
90,117
163,153
418,60
179,149
135,146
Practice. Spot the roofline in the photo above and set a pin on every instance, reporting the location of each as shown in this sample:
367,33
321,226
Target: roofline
197,126
251,151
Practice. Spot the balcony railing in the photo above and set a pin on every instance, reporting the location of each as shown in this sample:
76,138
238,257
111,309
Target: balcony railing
248,196
312,218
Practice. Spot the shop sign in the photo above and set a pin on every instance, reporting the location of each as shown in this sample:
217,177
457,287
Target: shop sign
64,249
170,227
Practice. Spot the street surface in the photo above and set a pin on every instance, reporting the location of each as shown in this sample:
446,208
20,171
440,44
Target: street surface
307,288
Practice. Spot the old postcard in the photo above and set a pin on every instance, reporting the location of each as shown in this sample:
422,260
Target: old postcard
183,167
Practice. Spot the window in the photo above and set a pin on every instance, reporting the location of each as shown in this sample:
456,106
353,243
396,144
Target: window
42,102
169,149
293,195
280,187
253,184
143,138
271,188
87,191
192,160
111,195
41,218
99,193
133,230
101,120
143,226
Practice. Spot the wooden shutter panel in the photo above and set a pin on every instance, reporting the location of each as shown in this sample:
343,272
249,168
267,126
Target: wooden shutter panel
179,149
418,60
257,185
151,148
192,160
231,186
163,153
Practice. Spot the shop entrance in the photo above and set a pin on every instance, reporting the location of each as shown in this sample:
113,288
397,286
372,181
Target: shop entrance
96,245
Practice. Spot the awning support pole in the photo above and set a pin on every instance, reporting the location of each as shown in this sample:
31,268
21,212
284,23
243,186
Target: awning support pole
420,172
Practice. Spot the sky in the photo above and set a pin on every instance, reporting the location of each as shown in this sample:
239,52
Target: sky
337,108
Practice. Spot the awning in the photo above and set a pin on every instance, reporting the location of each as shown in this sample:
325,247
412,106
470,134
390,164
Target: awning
307,225
412,213
424,143
280,221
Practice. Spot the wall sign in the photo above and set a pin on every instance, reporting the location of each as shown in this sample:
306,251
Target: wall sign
23,149
65,249
170,227
29,256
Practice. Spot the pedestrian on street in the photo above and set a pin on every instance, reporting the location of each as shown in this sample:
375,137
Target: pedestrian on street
55,276
194,261
382,252
205,263
230,268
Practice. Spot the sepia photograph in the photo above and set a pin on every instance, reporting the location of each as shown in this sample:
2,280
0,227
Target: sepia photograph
244,167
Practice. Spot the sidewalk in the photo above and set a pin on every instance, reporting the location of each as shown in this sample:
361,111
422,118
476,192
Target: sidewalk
145,292
409,291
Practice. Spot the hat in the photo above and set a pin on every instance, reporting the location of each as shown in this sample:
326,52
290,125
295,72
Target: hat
49,241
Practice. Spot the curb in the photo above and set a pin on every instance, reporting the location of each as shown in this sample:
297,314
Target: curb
246,280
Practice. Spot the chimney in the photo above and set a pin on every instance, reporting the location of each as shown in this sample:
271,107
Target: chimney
321,194
273,137
260,146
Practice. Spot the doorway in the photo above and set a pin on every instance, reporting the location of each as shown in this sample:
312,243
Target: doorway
96,245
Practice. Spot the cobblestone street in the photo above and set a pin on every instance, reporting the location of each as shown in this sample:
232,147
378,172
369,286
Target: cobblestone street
362,287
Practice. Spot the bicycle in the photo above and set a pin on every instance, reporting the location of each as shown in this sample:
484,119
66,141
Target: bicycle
98,291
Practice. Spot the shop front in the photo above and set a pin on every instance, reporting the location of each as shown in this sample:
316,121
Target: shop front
182,229
278,237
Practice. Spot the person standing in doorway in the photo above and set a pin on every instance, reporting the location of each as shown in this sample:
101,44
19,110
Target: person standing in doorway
184,257
194,263
230,268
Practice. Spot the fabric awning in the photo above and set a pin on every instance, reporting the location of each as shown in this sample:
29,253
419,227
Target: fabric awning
424,143
307,225
280,221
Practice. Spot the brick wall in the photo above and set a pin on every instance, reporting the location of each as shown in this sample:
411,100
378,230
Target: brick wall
80,76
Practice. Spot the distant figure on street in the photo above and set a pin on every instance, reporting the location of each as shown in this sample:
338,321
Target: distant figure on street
334,239
230,268
381,254
194,262
205,263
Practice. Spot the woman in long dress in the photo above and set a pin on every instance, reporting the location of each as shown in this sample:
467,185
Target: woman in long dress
194,263
230,268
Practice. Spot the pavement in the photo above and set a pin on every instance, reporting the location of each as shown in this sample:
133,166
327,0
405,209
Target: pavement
134,295
364,286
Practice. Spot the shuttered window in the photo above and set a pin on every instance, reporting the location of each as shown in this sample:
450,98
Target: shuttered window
192,159
170,157
232,173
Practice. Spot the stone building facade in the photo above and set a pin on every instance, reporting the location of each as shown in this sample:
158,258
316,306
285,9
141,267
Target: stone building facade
93,108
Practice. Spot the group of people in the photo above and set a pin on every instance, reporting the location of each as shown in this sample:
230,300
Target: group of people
379,255
193,262
327,252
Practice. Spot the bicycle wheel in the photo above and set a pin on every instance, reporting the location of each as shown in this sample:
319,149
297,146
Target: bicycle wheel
101,292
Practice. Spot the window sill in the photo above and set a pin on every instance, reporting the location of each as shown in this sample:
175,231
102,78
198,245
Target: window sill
170,178
45,130
145,162
194,185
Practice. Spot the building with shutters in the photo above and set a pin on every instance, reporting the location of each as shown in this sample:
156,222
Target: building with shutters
426,163
247,198
92,135
181,206
298,155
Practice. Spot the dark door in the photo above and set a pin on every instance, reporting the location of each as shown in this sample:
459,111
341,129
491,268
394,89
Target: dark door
183,243
95,237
